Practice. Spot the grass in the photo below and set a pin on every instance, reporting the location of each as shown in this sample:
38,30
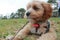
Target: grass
57,20
10,26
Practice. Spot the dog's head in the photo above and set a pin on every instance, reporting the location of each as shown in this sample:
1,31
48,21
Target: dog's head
39,11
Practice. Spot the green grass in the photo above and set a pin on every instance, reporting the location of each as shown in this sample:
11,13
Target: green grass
57,20
10,26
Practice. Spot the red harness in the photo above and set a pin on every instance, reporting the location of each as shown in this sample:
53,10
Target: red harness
36,26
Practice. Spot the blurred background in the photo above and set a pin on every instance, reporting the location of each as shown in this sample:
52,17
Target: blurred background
12,16
16,8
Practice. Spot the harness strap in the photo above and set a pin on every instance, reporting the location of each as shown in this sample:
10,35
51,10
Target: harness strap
36,26
47,30
48,26
34,34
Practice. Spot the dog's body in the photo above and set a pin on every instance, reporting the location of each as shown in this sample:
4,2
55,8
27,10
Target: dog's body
38,14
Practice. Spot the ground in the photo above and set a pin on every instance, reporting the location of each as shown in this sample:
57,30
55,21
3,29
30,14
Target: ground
10,26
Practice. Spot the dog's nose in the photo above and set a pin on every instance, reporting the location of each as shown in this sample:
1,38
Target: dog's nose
28,13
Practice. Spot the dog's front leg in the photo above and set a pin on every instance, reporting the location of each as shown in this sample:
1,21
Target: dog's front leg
23,33
48,36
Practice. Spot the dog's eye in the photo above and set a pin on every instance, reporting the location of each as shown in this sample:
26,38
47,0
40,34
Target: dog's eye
35,8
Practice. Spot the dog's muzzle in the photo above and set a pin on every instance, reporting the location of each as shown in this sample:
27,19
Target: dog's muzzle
28,13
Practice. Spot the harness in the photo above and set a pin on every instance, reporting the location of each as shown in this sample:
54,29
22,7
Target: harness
48,27
37,27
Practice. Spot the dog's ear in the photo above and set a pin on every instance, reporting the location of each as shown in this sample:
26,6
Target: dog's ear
47,11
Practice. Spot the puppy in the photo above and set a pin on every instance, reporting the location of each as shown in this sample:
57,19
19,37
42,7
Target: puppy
38,14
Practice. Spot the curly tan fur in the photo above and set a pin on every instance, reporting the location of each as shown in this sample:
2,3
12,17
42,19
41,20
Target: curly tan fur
47,11
39,12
